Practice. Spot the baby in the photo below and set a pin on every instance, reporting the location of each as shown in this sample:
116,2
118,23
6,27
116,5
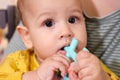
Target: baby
49,26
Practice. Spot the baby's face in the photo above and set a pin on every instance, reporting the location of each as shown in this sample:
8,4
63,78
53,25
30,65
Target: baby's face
53,23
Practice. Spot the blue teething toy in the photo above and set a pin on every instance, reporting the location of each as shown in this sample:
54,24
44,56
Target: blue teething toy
71,49
71,52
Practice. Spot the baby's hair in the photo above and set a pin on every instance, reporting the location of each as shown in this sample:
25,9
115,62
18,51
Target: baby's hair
20,10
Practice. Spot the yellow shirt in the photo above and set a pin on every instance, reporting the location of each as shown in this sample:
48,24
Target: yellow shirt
22,61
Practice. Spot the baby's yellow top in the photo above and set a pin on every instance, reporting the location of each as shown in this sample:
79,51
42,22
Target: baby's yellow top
23,61
16,64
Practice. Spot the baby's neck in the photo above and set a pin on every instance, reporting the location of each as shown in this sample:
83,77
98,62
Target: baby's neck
39,60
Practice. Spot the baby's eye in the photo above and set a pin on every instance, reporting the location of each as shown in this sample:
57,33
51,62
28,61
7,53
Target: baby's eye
72,19
48,23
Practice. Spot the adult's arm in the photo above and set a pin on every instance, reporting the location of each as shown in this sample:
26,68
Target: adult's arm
99,8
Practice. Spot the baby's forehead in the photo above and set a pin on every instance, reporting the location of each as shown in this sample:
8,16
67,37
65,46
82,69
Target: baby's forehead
24,6
23,3
31,7
29,3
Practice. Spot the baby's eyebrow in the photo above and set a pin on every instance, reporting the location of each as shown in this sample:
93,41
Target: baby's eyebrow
76,10
45,13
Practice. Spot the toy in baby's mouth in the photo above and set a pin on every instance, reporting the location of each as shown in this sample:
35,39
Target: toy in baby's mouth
71,52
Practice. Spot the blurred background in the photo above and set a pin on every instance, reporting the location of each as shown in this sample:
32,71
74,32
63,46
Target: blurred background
8,22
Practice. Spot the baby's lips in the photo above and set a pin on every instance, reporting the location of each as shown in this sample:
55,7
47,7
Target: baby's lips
63,52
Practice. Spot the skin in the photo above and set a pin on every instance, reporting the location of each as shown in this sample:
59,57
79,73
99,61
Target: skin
95,8
49,26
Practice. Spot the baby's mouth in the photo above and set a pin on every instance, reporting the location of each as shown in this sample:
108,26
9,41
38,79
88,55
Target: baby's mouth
62,48
62,51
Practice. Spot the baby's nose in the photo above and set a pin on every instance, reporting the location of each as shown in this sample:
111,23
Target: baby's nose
66,31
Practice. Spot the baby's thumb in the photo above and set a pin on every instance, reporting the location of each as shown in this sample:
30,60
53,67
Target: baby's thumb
83,54
73,76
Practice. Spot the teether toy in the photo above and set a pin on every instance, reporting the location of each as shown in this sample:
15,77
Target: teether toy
70,52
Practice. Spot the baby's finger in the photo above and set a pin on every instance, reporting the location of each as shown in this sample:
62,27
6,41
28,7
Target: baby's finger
74,71
73,76
73,67
83,54
60,68
84,72
61,58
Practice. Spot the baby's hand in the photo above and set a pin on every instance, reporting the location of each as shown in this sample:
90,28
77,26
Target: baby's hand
51,66
86,67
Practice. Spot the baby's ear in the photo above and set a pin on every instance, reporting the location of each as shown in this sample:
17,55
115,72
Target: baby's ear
25,35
